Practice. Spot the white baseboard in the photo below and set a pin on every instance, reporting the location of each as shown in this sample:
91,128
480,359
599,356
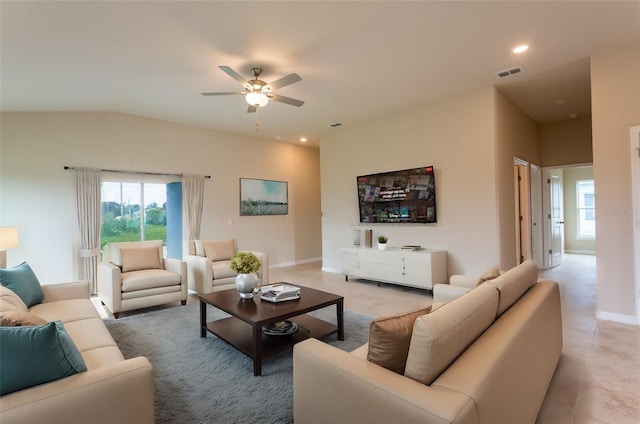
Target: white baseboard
623,319
580,252
300,262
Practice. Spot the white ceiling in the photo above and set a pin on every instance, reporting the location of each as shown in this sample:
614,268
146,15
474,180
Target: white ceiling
359,60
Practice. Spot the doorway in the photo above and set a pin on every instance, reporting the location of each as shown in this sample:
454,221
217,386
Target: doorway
568,212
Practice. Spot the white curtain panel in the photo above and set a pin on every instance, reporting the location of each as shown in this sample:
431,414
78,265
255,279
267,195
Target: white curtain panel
192,201
88,211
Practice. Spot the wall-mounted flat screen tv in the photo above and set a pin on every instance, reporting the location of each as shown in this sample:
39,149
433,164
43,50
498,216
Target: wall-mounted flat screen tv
406,196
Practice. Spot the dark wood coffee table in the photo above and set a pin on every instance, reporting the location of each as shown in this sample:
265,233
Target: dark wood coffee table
243,329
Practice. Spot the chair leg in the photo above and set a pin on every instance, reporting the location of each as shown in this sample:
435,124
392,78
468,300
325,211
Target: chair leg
183,302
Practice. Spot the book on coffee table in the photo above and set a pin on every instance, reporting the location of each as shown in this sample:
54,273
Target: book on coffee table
279,292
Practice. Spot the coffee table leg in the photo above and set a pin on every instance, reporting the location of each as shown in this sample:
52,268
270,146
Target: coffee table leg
340,312
257,350
203,319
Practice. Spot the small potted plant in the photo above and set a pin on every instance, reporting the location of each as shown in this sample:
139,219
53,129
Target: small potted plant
246,264
382,242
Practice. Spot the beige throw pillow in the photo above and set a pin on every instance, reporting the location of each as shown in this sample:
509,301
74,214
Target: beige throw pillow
9,301
219,250
389,339
20,319
440,337
489,274
140,258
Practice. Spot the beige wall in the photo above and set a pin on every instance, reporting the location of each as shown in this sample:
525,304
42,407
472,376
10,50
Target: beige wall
456,136
615,94
36,194
566,142
573,244
516,136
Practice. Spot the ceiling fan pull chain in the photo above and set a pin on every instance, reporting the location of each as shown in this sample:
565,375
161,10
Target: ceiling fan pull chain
257,123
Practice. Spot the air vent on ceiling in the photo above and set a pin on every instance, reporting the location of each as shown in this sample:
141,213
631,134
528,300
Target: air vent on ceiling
511,71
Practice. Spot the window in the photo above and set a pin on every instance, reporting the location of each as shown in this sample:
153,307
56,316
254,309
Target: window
586,208
133,212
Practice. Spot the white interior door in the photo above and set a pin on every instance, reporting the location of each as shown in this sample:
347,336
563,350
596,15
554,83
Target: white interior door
554,220
536,216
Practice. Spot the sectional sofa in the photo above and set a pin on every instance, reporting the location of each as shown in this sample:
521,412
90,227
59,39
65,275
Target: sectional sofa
111,390
486,357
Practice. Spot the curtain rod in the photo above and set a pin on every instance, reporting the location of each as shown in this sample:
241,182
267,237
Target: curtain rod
117,171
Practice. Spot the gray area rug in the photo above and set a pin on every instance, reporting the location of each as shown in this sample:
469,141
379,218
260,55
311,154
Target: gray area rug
207,381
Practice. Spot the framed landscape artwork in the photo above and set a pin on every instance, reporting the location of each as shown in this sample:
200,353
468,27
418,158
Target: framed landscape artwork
263,197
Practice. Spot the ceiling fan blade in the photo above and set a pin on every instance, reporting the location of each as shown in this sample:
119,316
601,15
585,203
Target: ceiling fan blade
284,81
287,100
233,74
251,109
225,93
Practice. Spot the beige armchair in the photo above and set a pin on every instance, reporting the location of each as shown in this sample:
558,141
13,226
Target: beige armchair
134,275
209,265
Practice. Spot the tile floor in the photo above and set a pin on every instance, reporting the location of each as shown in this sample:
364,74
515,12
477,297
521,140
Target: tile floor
598,376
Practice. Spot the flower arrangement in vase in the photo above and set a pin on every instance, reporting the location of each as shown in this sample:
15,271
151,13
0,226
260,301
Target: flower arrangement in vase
246,264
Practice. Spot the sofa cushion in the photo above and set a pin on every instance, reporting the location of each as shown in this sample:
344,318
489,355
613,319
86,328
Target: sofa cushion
141,258
9,301
219,250
66,310
222,269
440,337
148,278
20,318
514,283
389,339
36,355
23,282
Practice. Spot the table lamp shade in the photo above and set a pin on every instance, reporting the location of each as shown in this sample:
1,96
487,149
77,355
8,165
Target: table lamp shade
8,240
8,237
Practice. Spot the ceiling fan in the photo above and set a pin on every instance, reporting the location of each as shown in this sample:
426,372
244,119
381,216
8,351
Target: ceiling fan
257,92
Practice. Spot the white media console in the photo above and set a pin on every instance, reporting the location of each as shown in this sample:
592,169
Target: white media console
414,268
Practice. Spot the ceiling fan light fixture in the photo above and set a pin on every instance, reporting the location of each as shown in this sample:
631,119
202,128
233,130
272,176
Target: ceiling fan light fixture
256,99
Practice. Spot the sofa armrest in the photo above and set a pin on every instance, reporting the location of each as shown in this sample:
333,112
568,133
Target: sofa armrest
333,386
446,292
463,281
199,273
110,286
263,274
118,393
179,267
65,291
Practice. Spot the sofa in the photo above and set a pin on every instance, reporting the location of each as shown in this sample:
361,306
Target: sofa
209,265
135,274
111,390
486,357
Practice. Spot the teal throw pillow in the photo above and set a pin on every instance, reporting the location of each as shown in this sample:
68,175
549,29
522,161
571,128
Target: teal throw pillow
22,281
36,355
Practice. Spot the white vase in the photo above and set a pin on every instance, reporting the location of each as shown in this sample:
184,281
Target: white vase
382,246
245,283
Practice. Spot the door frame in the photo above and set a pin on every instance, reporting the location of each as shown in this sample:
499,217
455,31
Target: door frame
635,198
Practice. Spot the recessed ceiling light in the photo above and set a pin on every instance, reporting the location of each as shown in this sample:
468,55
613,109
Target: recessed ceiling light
303,139
521,49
